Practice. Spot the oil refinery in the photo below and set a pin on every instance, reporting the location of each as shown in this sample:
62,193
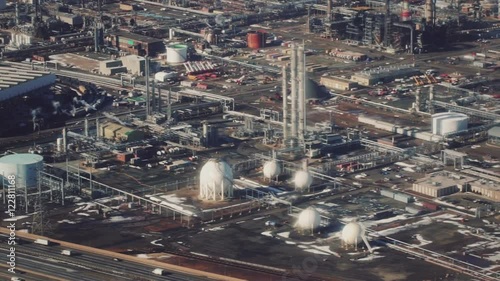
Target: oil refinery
250,140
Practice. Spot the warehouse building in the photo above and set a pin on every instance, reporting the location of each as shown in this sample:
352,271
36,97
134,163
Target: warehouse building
120,133
137,44
338,83
16,82
384,75
71,19
494,136
135,65
489,189
111,67
442,183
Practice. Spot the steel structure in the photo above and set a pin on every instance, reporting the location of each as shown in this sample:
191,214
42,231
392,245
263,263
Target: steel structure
468,111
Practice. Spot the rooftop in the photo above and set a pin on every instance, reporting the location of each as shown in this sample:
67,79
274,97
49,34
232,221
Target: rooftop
444,179
137,37
494,132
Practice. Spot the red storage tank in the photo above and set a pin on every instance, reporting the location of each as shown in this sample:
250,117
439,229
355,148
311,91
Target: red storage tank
256,40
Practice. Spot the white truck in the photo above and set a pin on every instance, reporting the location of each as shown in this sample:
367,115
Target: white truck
158,271
42,242
67,252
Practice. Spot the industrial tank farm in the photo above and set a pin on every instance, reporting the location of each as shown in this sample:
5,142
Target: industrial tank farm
253,140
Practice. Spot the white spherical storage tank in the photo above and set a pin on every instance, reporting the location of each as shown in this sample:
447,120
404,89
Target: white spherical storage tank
176,53
352,233
303,180
271,169
216,180
24,167
309,219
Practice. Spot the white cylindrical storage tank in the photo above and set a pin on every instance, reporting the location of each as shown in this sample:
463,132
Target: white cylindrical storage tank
216,180
271,169
59,144
436,122
352,233
176,53
454,124
309,219
24,167
303,180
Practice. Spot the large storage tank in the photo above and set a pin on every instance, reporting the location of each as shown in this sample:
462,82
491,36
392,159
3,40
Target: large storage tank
176,53
352,233
271,169
216,180
309,219
303,180
256,39
449,122
454,124
24,167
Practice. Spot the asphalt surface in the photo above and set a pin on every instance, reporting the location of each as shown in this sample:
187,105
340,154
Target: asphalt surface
82,266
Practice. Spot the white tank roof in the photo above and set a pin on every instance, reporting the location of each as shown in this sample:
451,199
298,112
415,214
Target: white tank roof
309,219
271,169
303,180
352,233
216,180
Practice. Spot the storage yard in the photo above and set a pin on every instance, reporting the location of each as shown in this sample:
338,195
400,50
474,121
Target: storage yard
253,141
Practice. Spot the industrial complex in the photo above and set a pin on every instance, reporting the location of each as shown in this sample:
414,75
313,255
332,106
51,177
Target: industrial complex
250,140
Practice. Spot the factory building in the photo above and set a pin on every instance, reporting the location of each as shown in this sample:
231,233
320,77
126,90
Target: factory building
71,19
137,44
18,82
494,136
135,65
441,184
383,75
485,188
338,83
120,133
111,67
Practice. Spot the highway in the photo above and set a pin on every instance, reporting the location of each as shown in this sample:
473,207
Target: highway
83,266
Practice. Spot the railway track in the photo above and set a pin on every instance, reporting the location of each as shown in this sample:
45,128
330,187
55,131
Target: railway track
278,272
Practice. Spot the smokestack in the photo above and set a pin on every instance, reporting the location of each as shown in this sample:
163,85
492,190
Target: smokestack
146,73
406,13
86,127
431,98
17,15
430,12
329,10
97,132
159,99
153,99
293,78
285,104
169,105
301,91
64,133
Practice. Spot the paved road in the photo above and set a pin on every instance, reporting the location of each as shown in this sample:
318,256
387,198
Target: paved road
83,266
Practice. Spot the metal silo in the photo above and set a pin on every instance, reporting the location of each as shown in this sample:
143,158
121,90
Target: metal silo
24,167
177,53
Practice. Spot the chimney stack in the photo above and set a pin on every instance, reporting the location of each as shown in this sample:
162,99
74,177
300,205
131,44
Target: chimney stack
146,73
293,78
285,104
301,92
